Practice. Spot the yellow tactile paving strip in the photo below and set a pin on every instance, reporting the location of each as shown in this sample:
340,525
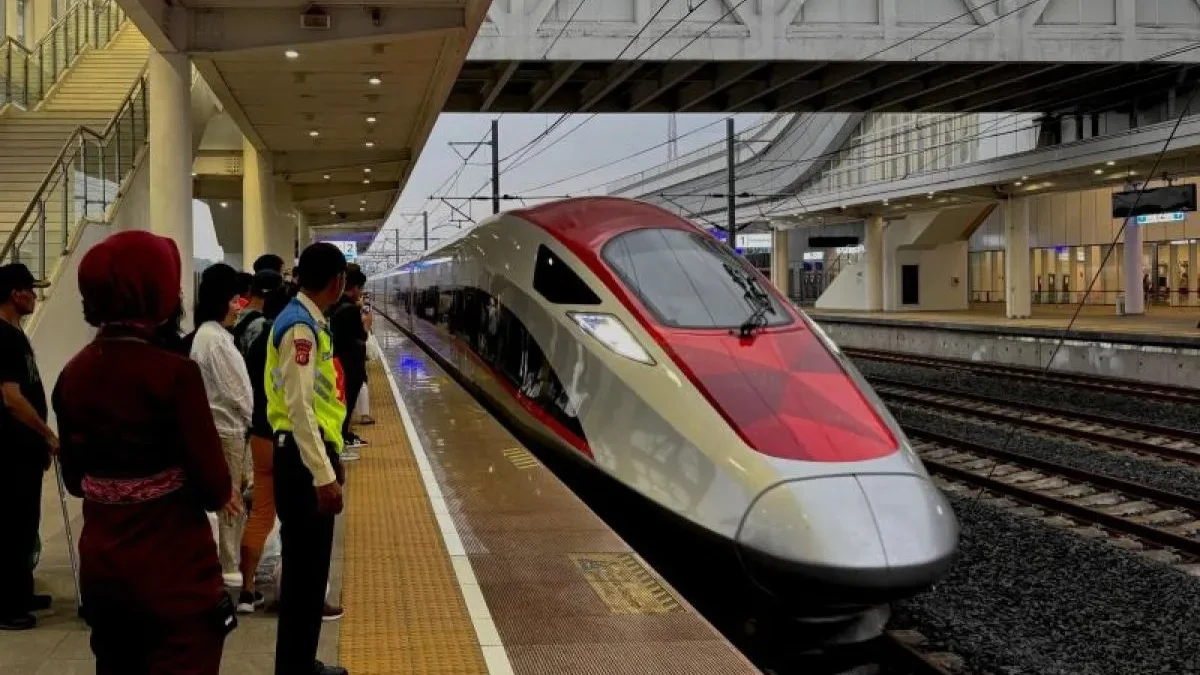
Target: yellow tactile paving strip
404,610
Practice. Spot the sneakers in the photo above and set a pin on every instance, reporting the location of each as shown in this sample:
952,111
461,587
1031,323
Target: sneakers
248,602
349,455
366,420
322,669
354,441
19,622
332,612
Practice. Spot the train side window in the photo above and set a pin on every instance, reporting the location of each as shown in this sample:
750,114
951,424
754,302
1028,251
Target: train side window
556,282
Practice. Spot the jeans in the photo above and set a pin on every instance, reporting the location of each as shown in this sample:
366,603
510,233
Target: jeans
229,528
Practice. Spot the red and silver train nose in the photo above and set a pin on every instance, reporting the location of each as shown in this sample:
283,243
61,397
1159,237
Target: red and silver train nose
849,539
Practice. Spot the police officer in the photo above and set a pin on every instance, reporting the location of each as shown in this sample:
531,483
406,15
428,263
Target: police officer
306,407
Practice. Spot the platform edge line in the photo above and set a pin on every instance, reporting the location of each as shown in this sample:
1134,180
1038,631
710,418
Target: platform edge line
495,656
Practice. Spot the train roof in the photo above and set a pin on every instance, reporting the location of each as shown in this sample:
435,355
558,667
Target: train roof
589,222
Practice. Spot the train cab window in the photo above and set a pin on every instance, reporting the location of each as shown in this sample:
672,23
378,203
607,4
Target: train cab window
558,283
689,280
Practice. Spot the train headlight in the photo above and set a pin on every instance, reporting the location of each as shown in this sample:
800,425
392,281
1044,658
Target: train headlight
610,332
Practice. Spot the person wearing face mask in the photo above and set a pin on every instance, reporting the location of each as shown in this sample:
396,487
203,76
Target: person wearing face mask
230,396
28,443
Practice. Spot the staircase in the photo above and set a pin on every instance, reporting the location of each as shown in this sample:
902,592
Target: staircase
42,155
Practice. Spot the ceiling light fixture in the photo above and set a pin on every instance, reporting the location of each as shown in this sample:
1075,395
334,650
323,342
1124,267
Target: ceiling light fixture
369,144
367,169
374,81
314,133
363,202
371,119
292,54
326,176
1098,171
366,181
224,205
362,208
1019,183
1110,163
1024,177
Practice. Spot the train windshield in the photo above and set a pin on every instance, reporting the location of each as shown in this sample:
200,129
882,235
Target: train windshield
689,280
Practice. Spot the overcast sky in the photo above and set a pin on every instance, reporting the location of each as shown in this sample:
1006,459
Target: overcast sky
576,146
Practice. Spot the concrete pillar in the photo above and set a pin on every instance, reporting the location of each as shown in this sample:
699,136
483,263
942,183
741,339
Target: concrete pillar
780,261
1132,269
874,263
1017,277
281,237
303,234
170,140
258,203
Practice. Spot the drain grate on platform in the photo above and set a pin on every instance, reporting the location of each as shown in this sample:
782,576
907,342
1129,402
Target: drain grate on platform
624,584
520,458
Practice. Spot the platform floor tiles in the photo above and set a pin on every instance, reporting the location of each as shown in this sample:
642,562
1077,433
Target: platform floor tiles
1160,321
545,576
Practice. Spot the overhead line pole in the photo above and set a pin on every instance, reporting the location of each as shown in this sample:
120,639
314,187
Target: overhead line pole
495,166
731,179
425,230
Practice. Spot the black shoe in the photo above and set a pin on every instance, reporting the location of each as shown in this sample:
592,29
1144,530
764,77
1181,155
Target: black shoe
39,603
23,622
322,669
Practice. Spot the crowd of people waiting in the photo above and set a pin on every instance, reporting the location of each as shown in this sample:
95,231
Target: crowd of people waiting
248,416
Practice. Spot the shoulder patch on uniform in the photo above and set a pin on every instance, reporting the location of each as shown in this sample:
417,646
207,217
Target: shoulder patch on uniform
303,351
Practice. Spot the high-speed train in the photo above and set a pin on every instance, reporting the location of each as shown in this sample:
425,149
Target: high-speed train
624,336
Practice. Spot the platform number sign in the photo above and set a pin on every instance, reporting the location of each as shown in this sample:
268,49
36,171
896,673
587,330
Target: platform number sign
348,248
1152,218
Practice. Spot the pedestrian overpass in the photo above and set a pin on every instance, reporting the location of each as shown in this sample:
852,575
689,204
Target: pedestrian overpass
826,55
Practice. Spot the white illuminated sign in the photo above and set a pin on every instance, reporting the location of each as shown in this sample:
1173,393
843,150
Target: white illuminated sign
745,241
348,248
1151,218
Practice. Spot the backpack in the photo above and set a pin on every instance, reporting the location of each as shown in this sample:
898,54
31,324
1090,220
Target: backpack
243,336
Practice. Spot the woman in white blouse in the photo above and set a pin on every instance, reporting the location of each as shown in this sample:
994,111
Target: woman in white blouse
229,396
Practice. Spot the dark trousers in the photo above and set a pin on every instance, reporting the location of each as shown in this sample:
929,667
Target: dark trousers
21,504
128,644
307,541
354,384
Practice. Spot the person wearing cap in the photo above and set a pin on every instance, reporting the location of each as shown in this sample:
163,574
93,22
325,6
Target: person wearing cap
28,444
141,449
268,261
267,299
306,406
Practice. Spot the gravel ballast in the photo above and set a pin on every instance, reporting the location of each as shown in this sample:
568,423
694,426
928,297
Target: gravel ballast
1061,397
1181,479
1028,599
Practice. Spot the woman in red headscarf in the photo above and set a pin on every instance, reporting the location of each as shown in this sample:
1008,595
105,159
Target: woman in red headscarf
140,448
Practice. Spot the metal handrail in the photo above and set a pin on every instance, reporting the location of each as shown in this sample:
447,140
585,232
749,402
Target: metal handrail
77,145
85,16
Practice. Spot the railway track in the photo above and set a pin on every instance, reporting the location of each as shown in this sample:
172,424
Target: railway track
1162,525
1132,436
906,653
1110,385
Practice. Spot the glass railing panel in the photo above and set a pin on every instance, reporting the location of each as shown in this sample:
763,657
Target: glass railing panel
28,73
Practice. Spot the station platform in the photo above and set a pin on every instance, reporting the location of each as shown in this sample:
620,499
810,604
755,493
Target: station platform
1161,346
1159,326
458,553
